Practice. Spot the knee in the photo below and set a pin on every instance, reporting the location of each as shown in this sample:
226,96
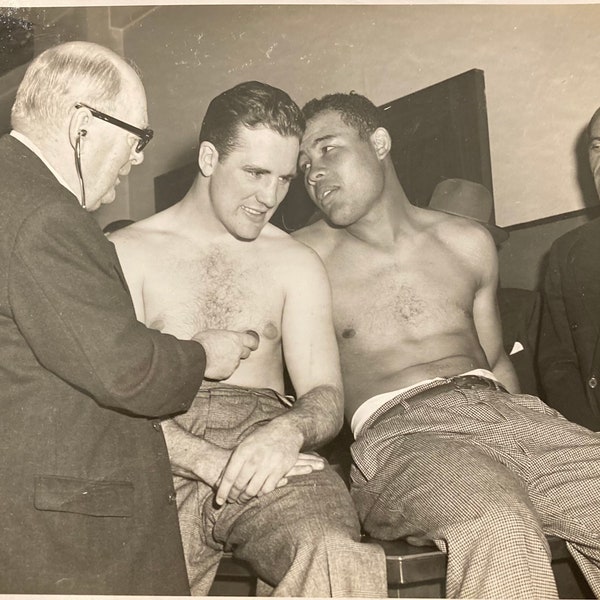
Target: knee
335,547
509,522
326,536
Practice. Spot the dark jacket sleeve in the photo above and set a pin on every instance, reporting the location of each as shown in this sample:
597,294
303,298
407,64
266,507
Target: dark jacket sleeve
520,311
70,301
559,367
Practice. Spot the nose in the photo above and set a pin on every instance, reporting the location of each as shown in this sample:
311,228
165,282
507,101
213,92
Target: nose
269,195
314,173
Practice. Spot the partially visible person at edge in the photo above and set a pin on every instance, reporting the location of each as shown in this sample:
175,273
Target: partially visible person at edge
246,478
87,496
445,447
569,354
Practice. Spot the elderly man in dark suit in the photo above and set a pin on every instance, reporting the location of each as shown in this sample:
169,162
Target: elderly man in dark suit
86,490
569,353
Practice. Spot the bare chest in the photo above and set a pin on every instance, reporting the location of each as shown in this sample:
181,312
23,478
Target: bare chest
213,290
376,305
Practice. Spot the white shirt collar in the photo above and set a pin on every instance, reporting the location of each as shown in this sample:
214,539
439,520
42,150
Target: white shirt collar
27,142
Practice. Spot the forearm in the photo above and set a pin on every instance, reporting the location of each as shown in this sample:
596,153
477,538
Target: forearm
505,373
316,417
271,453
191,456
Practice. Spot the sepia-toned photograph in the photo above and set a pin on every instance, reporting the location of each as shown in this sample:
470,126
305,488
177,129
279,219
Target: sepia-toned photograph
300,300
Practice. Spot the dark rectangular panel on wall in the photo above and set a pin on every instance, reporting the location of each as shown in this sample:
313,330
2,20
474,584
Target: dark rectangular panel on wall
440,132
437,133
171,187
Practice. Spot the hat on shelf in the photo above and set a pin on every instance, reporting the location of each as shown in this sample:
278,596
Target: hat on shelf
470,200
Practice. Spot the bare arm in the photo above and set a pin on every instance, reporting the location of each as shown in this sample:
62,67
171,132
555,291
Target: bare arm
311,355
312,358
193,457
486,315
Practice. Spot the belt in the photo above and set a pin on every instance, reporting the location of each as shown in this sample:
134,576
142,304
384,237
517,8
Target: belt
459,382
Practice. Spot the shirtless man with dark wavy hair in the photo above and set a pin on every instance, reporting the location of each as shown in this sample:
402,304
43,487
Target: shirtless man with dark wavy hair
446,448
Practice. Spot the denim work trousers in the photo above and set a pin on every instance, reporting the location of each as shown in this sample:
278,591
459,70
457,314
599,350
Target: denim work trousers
483,474
301,539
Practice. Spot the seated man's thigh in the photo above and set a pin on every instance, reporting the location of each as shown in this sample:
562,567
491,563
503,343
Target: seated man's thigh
306,504
427,483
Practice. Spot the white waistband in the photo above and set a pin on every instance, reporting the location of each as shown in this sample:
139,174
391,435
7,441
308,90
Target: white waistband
368,407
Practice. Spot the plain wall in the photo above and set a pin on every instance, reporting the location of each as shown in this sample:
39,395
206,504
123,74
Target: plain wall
522,258
539,63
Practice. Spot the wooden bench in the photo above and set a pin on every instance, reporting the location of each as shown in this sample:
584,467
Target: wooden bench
412,571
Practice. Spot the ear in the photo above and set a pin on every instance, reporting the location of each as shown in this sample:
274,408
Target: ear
79,123
382,142
208,157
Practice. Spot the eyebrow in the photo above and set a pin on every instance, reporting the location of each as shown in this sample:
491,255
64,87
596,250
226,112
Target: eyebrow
260,170
323,138
316,142
263,171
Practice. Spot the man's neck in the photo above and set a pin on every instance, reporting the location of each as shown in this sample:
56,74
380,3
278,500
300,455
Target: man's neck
195,214
390,219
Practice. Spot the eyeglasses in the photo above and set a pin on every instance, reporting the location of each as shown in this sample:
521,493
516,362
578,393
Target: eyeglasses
145,135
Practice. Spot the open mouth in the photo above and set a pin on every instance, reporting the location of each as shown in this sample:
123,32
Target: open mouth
323,194
253,212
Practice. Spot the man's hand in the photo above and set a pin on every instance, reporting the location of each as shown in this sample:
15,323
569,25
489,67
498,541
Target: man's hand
193,457
224,350
306,463
260,463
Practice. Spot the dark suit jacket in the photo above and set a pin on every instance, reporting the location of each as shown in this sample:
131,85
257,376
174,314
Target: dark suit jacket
569,353
86,495
520,318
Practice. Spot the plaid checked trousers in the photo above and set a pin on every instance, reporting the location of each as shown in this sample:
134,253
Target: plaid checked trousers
302,539
483,474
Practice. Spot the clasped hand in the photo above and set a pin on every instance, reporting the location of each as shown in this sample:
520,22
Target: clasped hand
263,462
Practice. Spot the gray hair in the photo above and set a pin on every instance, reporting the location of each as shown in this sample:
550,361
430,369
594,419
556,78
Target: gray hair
63,75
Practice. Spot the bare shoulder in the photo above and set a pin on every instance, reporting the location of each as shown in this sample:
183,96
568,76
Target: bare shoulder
466,239
319,236
289,252
142,237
